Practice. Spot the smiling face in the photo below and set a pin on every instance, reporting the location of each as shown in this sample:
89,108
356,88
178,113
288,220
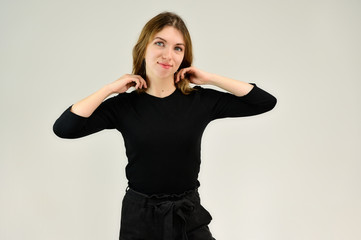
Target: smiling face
164,54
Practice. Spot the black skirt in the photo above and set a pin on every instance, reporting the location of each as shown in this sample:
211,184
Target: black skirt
164,217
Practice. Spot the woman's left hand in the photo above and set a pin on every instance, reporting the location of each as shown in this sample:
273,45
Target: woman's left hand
194,75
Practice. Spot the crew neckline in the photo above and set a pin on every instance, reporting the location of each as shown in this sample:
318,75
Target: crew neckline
161,98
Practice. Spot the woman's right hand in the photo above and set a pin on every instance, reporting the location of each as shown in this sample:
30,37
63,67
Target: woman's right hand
126,81
87,106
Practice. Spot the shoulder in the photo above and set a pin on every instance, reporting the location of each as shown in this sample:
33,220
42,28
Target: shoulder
129,99
126,96
118,101
206,92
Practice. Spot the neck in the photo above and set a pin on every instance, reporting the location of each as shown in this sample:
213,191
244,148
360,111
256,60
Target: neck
160,87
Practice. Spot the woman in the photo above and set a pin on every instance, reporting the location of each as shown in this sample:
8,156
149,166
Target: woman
162,122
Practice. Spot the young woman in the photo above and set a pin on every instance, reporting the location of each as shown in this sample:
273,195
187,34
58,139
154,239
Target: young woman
162,123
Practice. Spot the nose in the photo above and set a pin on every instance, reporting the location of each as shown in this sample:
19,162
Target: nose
167,53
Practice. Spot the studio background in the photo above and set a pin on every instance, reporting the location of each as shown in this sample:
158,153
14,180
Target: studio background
289,174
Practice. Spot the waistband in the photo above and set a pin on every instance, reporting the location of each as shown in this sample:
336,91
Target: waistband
156,198
167,207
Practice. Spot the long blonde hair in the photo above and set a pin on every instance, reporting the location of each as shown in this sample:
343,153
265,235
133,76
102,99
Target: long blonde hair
152,27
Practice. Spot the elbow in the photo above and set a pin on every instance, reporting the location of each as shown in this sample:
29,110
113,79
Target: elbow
272,103
62,131
68,125
58,131
268,105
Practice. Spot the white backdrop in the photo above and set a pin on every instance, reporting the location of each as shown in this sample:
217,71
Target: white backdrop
292,173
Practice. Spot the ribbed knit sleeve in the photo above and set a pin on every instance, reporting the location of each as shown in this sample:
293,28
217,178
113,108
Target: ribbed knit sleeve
222,105
71,125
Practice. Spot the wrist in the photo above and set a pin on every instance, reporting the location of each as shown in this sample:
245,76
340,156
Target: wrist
108,90
214,79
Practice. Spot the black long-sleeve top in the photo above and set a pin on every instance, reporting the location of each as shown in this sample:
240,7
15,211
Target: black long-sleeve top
162,136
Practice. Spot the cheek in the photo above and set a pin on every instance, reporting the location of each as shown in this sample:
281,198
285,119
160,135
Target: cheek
179,59
148,56
150,53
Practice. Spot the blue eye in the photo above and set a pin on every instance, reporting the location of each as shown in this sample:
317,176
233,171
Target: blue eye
160,44
179,49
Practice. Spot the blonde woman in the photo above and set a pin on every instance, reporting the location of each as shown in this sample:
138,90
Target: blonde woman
162,122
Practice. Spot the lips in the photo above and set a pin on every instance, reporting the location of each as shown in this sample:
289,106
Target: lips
165,65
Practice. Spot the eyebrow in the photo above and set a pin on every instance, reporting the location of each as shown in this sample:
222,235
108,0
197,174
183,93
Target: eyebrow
166,41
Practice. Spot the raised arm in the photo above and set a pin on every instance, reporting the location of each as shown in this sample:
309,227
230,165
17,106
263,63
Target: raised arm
93,114
200,77
87,106
242,99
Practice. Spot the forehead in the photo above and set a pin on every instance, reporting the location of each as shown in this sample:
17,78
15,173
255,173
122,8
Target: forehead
170,34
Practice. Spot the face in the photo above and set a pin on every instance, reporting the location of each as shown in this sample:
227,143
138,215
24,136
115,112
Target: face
164,54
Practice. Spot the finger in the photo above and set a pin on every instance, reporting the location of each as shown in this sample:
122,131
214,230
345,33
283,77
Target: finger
142,82
177,77
137,83
184,73
132,81
181,73
129,83
187,70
